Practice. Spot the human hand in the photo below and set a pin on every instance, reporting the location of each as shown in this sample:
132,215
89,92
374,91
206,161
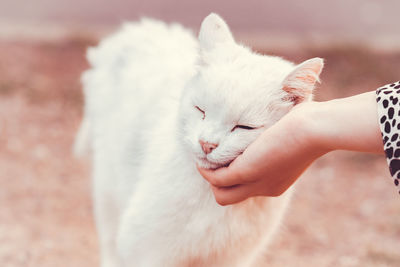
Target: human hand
270,165
273,162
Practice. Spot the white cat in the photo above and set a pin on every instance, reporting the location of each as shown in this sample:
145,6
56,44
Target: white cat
158,102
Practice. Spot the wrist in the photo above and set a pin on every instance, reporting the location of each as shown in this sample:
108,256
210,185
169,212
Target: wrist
346,124
305,123
312,116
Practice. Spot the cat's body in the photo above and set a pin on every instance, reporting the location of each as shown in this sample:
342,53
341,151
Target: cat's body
150,98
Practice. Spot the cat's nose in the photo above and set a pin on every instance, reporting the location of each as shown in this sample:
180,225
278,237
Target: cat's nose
207,147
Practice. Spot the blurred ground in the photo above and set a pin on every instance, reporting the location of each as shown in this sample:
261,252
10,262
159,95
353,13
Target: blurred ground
346,211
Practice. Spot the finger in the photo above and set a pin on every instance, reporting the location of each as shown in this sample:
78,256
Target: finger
222,177
232,194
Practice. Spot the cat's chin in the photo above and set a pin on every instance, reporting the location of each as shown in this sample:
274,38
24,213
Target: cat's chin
206,164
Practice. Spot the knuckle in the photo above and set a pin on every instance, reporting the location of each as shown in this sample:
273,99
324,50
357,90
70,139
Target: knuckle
214,181
217,181
240,176
208,177
221,200
276,193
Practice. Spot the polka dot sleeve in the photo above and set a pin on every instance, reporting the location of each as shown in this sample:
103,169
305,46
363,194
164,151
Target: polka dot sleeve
388,99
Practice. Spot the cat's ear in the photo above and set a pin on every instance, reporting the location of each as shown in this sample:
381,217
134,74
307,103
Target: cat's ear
299,84
214,31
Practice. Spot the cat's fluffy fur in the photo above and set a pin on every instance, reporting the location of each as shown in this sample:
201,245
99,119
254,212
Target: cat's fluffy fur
152,207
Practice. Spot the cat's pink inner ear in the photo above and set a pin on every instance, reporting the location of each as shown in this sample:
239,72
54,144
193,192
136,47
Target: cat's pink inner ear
300,83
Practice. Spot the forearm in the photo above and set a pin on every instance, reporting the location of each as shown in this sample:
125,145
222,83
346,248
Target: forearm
347,124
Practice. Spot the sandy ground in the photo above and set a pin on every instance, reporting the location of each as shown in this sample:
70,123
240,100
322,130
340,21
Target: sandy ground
346,211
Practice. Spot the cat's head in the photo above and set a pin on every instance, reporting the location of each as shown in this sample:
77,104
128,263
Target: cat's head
236,94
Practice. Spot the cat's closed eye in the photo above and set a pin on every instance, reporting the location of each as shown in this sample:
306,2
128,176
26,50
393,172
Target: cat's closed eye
244,127
202,111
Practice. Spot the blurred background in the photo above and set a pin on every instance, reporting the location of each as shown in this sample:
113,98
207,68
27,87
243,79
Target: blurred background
346,211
